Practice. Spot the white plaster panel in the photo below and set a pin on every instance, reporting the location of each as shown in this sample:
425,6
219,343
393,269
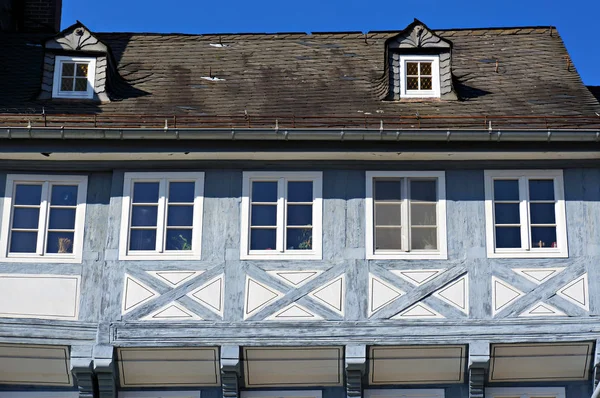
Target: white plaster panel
293,366
172,312
503,294
542,309
174,278
456,294
39,296
169,367
258,296
417,364
331,294
381,294
210,295
540,362
35,365
577,292
418,311
294,312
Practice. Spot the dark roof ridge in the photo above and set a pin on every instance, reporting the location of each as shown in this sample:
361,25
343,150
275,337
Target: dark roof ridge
341,32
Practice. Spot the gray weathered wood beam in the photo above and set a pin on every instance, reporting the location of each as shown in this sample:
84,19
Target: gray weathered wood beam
230,371
355,366
479,362
104,368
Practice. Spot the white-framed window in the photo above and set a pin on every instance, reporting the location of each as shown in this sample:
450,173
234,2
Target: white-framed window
281,215
282,394
405,393
406,215
43,218
74,77
419,76
525,213
158,394
162,216
525,392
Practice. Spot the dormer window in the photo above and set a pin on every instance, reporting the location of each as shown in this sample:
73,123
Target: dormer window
74,77
420,76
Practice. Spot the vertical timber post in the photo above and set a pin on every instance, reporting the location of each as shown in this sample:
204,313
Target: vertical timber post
356,366
104,367
596,370
81,369
479,362
230,371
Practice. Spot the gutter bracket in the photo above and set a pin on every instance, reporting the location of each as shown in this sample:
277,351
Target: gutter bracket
398,135
121,134
166,125
177,134
232,134
276,125
549,136
62,132
448,133
598,136
381,129
8,131
286,134
29,128
342,134
499,135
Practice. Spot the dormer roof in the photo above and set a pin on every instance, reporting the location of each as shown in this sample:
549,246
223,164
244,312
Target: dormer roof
76,38
418,36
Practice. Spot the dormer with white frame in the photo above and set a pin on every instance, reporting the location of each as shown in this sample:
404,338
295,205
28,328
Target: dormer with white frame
420,65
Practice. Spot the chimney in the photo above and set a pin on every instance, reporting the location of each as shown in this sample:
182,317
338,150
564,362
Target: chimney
30,15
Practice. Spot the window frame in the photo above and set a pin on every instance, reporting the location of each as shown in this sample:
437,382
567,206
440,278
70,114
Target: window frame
525,392
317,217
405,393
281,393
435,76
441,253
91,77
562,250
161,223
40,256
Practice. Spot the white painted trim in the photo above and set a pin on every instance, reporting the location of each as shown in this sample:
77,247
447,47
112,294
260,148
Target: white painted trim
89,94
562,251
41,256
158,394
281,394
163,179
282,177
442,253
435,76
405,393
525,392
39,394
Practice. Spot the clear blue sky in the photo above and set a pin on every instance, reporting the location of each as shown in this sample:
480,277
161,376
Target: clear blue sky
578,21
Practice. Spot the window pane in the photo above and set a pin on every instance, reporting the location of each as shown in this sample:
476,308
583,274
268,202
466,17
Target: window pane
28,194
144,216
423,191
299,215
388,238
66,84
412,68
299,239
426,68
82,70
145,192
142,239
412,83
60,242
507,213
263,239
81,84
68,69
423,214
264,215
64,195
541,189
23,242
181,192
506,189
543,237
26,218
179,239
387,190
300,191
423,238
542,213
62,219
180,216
508,237
264,191
387,214
426,83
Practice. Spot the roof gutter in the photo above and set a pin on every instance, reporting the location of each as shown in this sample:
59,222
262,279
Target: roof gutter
294,134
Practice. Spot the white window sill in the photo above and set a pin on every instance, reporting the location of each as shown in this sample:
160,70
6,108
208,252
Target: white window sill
529,254
422,94
279,256
73,96
149,256
41,259
408,256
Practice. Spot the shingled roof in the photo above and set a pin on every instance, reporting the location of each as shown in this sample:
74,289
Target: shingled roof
501,71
